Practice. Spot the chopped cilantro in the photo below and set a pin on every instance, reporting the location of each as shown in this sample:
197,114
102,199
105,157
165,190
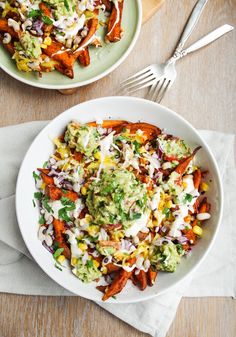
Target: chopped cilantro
47,20
136,146
46,205
55,245
188,198
45,164
33,202
67,202
36,176
179,248
62,213
58,252
66,5
136,216
34,13
89,264
114,297
38,195
41,220
64,191
166,211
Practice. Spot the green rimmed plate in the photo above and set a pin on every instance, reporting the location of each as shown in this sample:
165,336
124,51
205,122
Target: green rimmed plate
103,60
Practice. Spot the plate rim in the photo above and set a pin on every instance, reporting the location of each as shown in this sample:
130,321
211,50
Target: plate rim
217,225
93,79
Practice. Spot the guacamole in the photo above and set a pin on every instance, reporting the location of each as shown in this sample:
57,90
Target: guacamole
165,257
62,7
87,272
118,197
84,139
30,45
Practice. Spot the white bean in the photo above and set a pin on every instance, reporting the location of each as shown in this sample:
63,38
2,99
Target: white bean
203,216
41,235
14,24
6,38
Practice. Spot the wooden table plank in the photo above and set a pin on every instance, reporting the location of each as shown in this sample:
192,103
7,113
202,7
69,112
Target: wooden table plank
204,93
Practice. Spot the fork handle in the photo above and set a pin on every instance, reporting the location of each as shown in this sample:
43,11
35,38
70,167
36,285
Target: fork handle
192,21
207,39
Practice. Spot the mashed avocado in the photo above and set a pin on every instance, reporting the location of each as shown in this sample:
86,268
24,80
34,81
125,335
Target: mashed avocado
175,148
86,272
30,45
83,138
165,257
118,197
62,7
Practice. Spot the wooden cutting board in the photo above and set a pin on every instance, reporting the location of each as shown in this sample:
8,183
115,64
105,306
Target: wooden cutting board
149,8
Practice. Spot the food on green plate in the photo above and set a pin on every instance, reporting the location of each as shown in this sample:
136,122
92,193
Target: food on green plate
120,201
43,35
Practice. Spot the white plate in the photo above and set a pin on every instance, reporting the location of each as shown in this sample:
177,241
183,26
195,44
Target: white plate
132,109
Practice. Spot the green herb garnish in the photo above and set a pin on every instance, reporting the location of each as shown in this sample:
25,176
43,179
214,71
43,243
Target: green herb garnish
47,20
46,205
33,203
58,253
57,266
36,176
34,13
38,195
166,211
41,220
188,198
89,264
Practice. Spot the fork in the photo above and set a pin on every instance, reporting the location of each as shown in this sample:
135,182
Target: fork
162,84
149,75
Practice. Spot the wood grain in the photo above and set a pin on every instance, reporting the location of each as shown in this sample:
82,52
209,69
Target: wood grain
204,93
150,7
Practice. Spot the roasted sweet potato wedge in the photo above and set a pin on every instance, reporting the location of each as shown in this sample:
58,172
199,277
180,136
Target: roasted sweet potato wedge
59,229
114,29
151,276
182,167
84,57
117,285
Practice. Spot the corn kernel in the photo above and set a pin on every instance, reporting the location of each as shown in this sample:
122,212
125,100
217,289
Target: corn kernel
97,156
74,261
47,41
96,263
43,46
104,270
197,230
93,230
82,246
83,190
43,186
185,185
61,258
204,187
169,204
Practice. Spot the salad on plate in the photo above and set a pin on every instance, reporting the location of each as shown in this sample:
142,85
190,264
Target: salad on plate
120,201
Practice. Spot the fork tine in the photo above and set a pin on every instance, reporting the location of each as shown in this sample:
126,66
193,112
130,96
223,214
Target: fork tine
137,79
145,80
137,74
154,89
148,84
163,90
157,89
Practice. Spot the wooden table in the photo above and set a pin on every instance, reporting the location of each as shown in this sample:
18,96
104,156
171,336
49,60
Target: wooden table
204,94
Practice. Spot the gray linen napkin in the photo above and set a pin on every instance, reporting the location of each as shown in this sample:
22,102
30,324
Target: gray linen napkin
215,277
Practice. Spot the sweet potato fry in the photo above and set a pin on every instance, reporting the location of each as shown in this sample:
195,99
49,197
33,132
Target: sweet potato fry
182,167
151,276
78,156
47,179
6,29
9,46
111,268
190,236
204,206
45,9
53,192
108,5
59,229
92,25
84,57
117,285
197,176
110,124
57,52
101,288
141,279
114,24
65,71
151,131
